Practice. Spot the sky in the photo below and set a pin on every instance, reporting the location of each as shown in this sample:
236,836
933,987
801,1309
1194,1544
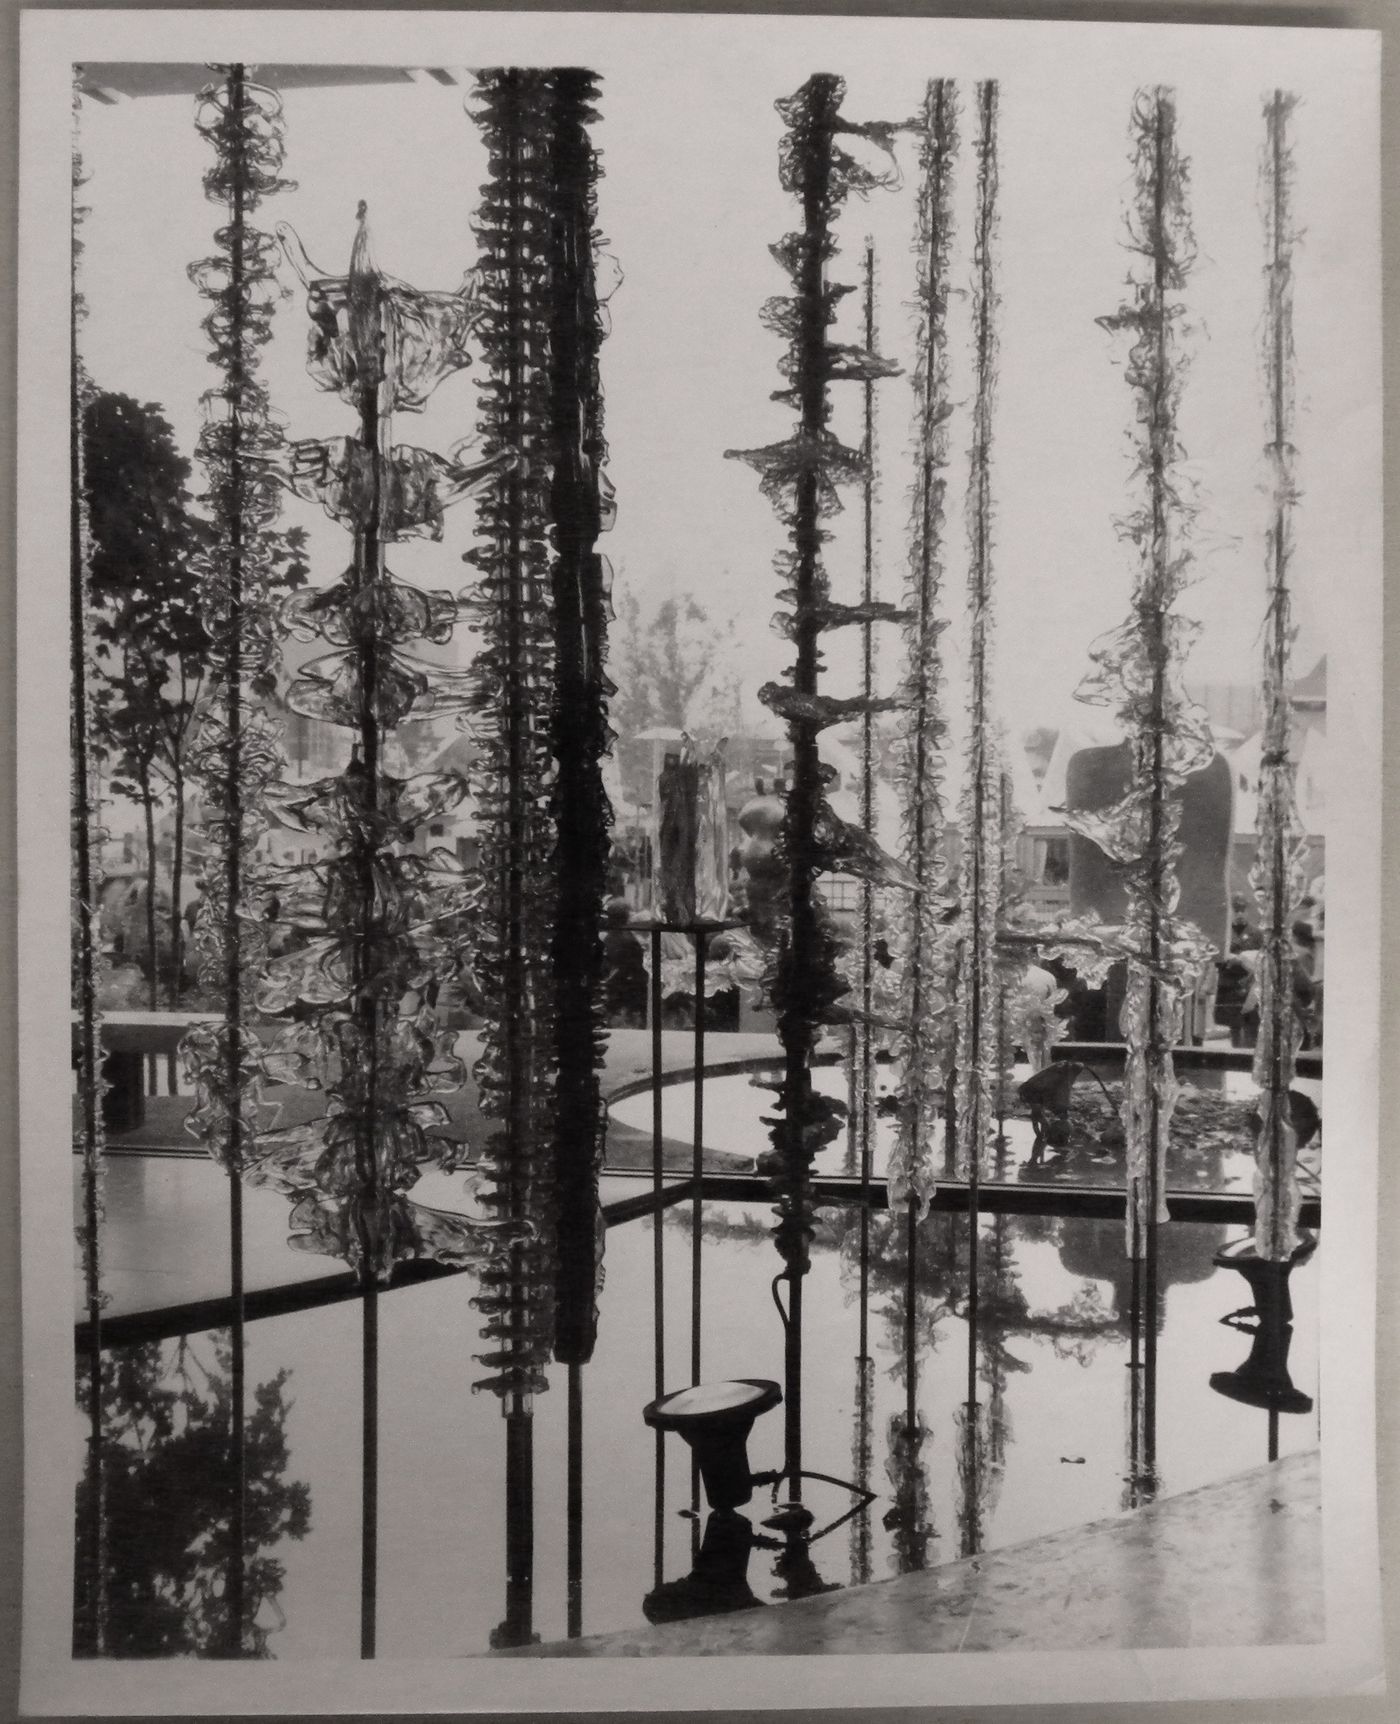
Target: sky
689,204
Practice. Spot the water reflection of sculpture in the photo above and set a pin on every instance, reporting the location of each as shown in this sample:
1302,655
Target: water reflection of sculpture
994,1309
167,1478
1185,1254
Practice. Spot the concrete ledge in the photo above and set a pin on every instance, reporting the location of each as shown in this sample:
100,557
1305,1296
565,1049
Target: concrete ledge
1233,1564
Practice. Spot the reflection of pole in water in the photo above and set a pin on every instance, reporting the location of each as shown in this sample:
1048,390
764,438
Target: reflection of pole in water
574,1509
369,1466
973,1292
970,1446
982,1436
861,1443
1141,1481
908,1519
861,1458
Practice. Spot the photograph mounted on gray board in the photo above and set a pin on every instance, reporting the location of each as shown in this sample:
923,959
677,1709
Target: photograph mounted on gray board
703,1012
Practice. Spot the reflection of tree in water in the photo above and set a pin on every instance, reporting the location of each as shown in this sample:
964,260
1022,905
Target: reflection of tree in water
942,1270
168,1478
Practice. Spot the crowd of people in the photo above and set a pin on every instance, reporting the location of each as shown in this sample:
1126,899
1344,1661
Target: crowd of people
1237,984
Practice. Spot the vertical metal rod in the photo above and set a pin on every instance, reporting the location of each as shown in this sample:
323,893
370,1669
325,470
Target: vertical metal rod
235,1588
575,1504
971,1540
657,1260
234,885
852,1101
518,1628
867,742
1134,1365
1003,1052
88,1638
1149,1362
792,1371
863,1046
369,1468
864,1334
658,1545
973,1294
696,1207
911,1294
657,1170
978,888
1273,1433
697,1155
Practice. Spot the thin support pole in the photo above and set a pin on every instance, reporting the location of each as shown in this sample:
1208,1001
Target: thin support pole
657,1171
911,1295
369,1469
657,1261
792,1371
658,1541
972,1436
235,1588
1149,1358
974,1192
696,1211
89,1636
864,1042
518,1627
697,1167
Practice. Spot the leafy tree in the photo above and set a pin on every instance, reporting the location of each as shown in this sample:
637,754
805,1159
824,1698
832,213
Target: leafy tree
150,643
146,628
675,667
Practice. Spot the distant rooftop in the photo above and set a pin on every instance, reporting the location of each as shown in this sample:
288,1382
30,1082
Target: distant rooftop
1312,688
114,81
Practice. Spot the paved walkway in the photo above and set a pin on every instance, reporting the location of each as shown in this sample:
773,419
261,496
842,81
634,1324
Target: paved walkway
1234,1564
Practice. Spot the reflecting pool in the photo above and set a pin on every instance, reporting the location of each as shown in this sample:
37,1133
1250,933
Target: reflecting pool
979,1405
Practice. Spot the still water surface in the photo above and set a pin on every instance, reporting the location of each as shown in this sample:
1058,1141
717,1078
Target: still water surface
1057,1444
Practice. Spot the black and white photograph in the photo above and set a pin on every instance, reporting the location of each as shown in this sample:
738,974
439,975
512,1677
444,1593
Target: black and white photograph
707,673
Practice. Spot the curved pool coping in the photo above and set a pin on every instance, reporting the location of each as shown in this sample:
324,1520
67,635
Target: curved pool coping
1185,1059
333,1289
